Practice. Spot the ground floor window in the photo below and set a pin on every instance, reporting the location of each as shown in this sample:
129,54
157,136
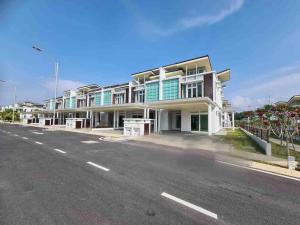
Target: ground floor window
199,122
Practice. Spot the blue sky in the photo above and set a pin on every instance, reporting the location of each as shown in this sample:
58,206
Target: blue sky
105,42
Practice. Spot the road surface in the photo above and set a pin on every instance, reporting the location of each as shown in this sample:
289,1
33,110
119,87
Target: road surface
55,177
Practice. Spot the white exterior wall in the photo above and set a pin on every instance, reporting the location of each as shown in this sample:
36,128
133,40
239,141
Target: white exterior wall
185,120
164,120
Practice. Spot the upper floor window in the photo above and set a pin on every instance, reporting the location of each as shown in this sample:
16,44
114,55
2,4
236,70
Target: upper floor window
194,90
119,99
193,71
141,96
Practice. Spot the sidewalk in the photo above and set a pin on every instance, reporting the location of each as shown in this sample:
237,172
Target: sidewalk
276,141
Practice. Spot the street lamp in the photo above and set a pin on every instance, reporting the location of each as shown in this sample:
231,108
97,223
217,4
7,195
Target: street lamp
56,81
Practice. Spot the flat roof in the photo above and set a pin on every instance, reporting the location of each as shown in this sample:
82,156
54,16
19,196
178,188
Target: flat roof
176,63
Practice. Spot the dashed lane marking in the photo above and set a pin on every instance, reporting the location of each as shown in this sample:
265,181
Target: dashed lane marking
39,143
98,166
190,205
90,142
37,132
58,150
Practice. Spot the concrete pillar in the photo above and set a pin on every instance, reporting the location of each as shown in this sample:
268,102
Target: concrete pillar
118,116
155,122
145,113
233,121
129,93
209,120
114,123
91,119
158,121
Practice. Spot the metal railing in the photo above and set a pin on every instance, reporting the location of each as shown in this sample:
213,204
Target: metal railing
261,133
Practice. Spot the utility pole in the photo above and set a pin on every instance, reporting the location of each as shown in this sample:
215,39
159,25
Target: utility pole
56,82
13,117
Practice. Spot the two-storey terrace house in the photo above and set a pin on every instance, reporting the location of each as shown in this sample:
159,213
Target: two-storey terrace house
184,96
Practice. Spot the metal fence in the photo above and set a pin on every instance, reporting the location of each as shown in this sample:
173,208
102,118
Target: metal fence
262,133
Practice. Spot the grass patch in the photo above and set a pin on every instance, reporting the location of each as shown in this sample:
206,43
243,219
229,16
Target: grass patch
241,141
281,152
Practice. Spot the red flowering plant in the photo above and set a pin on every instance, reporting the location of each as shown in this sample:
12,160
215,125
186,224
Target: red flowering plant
282,121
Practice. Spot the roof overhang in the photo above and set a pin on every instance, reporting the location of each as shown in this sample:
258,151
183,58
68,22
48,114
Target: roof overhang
224,75
124,107
294,98
202,61
187,103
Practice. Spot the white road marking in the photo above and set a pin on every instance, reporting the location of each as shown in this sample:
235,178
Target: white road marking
190,205
16,135
58,150
258,170
8,132
89,142
39,143
37,132
98,166
25,138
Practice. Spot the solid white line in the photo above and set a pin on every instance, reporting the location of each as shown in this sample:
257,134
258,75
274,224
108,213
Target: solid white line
25,138
39,143
58,150
37,132
98,166
190,205
258,170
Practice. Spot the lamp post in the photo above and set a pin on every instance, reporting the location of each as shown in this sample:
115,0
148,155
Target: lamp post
15,90
56,82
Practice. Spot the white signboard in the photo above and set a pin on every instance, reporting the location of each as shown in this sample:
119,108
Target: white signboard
291,162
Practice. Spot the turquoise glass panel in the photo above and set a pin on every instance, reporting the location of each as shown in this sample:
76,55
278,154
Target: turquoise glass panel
152,91
170,89
98,98
72,102
107,98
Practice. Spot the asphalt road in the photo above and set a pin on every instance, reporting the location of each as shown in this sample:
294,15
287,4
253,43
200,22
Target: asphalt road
54,177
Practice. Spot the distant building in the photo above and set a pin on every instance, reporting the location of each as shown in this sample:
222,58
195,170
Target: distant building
29,111
293,102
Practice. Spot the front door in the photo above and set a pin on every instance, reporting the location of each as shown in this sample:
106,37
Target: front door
194,122
121,120
204,123
178,121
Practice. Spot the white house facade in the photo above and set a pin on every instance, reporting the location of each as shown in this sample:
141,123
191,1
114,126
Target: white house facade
184,96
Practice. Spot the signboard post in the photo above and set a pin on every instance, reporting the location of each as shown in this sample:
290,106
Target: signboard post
291,163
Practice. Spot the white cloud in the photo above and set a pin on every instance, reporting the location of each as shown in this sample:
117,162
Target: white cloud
62,86
211,19
270,88
184,23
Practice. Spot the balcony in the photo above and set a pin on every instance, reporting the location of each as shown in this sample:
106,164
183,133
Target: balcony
192,78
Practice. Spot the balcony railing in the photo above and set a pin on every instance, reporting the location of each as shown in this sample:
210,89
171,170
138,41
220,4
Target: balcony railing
192,78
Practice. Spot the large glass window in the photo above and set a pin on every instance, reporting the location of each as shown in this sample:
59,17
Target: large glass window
193,71
152,91
170,89
141,96
119,99
194,90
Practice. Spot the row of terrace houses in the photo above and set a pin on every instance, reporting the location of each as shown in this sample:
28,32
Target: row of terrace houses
182,96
